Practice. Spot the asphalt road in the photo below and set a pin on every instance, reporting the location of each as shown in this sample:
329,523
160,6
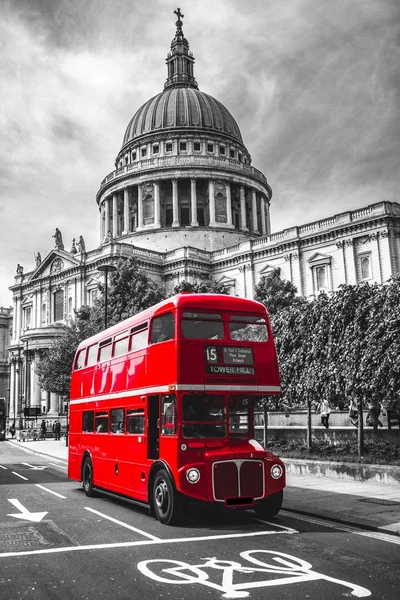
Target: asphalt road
57,543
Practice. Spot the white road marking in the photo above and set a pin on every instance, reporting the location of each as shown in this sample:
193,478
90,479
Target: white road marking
18,475
24,513
50,491
33,467
378,535
141,543
103,516
294,570
3,467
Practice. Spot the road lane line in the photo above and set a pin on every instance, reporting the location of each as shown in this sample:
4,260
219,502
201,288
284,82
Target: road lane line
50,491
142,543
378,535
103,516
3,467
18,475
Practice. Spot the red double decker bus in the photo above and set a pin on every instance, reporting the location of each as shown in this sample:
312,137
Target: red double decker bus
162,407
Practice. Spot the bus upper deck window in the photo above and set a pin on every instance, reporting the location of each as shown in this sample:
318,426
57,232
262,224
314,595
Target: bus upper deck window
105,350
92,355
121,343
163,328
248,328
80,359
139,337
206,326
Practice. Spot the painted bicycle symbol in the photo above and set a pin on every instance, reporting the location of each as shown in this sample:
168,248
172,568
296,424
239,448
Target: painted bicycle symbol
294,570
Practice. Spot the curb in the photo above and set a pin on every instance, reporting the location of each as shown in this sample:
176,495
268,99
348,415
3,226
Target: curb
367,473
366,526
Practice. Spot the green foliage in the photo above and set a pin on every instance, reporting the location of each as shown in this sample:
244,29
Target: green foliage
276,293
342,347
130,291
208,286
376,451
54,367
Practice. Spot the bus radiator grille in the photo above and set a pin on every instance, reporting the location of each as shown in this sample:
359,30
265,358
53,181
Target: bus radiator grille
238,479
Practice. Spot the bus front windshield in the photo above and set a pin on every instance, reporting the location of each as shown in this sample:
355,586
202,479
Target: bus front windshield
206,415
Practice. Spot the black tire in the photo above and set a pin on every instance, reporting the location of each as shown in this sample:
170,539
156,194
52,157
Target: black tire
265,509
87,476
166,502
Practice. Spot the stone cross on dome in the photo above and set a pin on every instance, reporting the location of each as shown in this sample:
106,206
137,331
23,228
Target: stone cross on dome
179,22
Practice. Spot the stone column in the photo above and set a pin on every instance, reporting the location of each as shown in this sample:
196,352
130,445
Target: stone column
193,202
228,204
175,204
139,207
53,410
263,224
268,218
37,391
13,392
126,211
254,210
157,207
115,215
106,216
243,224
211,196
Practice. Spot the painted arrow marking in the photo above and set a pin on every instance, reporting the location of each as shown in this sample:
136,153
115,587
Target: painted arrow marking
25,514
35,468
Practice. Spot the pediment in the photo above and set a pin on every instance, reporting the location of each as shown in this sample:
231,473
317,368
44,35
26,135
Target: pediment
268,268
319,259
55,262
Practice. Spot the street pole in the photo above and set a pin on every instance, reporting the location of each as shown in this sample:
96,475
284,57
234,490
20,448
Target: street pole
106,269
309,431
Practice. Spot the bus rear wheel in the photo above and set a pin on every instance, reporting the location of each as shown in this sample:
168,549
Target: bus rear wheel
265,509
87,476
165,499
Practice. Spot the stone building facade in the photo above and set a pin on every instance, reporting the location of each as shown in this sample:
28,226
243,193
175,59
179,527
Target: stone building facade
185,200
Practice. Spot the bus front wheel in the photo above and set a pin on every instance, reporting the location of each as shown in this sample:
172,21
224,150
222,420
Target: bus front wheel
265,509
87,476
165,498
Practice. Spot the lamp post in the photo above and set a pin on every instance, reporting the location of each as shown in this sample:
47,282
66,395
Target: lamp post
106,269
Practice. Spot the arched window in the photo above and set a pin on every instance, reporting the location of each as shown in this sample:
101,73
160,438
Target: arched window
58,305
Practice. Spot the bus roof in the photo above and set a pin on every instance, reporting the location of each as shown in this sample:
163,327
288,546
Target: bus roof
182,300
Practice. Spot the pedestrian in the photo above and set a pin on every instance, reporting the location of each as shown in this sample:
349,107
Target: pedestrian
372,419
12,430
43,430
353,412
324,410
57,430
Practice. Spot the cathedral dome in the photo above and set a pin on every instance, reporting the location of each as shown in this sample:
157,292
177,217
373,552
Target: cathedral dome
179,107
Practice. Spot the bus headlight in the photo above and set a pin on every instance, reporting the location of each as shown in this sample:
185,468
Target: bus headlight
193,475
276,471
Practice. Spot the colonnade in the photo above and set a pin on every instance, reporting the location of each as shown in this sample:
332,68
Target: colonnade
25,390
143,205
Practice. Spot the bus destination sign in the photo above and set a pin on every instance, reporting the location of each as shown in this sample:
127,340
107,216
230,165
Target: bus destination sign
235,360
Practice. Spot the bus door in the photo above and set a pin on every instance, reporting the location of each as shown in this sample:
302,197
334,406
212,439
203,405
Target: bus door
153,430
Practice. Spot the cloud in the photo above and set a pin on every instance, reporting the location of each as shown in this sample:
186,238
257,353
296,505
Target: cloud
312,84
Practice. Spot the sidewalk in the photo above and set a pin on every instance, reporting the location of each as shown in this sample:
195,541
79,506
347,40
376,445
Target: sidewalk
363,504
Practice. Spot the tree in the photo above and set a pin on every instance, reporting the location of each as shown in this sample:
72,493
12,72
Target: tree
208,286
276,293
55,364
130,291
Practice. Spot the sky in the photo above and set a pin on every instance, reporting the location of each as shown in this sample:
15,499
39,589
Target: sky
313,85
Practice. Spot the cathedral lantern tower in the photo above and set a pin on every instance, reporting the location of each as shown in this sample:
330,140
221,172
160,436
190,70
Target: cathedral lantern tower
183,176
